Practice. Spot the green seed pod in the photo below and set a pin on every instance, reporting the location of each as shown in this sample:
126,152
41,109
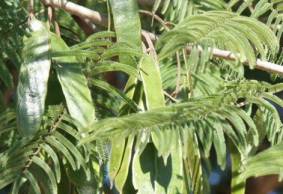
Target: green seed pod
33,78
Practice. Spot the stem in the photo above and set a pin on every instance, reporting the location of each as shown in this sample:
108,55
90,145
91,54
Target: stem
157,18
188,75
31,8
150,45
261,65
178,79
85,24
109,15
79,11
56,26
237,187
50,16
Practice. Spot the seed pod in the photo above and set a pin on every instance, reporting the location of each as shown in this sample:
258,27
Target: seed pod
34,73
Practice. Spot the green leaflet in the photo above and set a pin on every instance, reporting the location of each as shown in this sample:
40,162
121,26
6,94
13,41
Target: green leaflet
1,102
83,185
34,73
49,173
264,123
205,136
74,85
106,66
219,144
156,6
152,83
145,170
55,160
121,160
76,153
116,157
241,132
126,22
159,169
237,185
17,185
272,131
264,163
250,124
152,175
193,172
10,175
114,91
275,88
5,75
33,182
56,144
128,30
39,170
215,28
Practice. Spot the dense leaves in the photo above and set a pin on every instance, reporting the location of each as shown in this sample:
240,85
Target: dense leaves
140,107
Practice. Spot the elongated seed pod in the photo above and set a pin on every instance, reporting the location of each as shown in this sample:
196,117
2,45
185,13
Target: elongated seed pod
34,73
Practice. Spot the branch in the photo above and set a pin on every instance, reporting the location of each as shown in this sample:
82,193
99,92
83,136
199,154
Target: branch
261,65
78,10
31,8
101,20
85,24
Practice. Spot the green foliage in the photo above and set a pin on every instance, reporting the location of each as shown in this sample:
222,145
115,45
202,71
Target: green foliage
156,132
27,157
224,30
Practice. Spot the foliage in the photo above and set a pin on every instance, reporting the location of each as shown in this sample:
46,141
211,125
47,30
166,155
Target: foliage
71,130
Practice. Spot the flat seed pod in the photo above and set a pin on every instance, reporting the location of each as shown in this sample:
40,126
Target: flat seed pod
128,30
74,84
34,73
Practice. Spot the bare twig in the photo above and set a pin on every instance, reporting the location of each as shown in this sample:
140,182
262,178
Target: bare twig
56,25
157,18
150,45
178,79
169,96
78,10
108,15
85,14
101,20
50,16
31,8
52,20
85,24
261,65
